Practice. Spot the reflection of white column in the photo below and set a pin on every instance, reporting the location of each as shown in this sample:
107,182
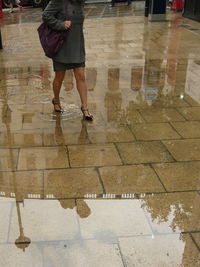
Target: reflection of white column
148,93
138,6
113,96
128,94
193,80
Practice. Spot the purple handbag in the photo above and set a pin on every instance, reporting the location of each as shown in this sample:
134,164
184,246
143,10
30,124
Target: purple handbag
50,39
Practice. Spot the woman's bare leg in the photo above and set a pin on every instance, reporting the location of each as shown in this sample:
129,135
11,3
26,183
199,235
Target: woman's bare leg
57,83
79,74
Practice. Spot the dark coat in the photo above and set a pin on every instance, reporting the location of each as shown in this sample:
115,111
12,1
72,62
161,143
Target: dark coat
73,49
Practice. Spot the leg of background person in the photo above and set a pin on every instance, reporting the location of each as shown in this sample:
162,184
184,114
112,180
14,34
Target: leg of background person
20,7
112,3
57,83
11,7
79,74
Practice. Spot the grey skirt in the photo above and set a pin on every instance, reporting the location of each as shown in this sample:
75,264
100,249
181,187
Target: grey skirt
59,66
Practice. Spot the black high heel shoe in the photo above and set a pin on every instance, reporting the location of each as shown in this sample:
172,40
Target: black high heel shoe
86,117
57,103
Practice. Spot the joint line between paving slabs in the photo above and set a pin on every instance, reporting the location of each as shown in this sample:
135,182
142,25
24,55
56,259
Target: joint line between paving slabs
190,105
99,166
149,222
158,177
115,144
181,114
100,180
170,123
68,157
17,161
129,127
194,242
168,150
43,139
139,111
120,252
102,12
191,232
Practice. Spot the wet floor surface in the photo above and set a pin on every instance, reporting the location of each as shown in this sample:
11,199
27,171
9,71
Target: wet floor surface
123,190
27,14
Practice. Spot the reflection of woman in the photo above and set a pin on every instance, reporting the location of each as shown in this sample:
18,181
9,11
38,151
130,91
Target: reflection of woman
82,208
72,53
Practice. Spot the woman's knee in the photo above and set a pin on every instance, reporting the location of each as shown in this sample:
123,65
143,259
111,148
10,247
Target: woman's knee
79,75
59,76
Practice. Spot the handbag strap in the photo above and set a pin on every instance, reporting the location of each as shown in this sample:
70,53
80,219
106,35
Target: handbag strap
65,8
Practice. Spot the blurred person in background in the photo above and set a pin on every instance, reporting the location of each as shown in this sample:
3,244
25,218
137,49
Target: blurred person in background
114,1
12,3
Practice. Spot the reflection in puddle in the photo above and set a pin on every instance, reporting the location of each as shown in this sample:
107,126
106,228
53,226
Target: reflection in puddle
93,232
123,191
71,112
41,99
192,80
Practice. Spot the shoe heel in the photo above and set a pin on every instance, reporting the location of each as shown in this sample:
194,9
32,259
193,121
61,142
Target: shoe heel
88,118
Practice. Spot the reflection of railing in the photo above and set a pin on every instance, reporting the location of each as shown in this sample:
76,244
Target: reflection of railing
25,195
86,196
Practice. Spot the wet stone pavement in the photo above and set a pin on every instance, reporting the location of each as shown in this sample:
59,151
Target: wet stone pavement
121,191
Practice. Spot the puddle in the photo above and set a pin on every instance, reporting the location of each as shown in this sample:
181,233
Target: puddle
41,99
98,233
71,112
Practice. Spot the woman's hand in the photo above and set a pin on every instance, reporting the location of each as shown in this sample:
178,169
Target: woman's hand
67,24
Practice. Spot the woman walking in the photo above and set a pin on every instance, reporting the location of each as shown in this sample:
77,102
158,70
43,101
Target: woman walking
72,53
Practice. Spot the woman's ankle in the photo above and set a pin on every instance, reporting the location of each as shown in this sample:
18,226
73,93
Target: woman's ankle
56,100
83,106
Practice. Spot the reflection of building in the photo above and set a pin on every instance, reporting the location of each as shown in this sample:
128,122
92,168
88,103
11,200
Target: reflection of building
113,96
151,93
175,213
91,78
136,78
68,82
82,208
154,79
45,77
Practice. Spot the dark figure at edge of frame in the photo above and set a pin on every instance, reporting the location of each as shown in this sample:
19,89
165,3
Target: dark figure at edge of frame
72,52
113,3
